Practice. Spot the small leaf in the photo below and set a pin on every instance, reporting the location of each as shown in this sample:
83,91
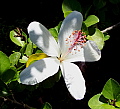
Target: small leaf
14,58
58,26
84,28
70,5
106,37
46,105
97,37
111,89
4,63
23,49
16,39
35,57
95,103
91,20
67,13
29,49
55,31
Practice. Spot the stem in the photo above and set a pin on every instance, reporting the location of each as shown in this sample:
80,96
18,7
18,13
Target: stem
16,102
110,28
21,67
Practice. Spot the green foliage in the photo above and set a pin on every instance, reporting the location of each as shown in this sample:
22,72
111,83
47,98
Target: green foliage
111,89
46,105
17,37
14,58
55,31
97,37
70,5
91,20
4,63
29,49
109,97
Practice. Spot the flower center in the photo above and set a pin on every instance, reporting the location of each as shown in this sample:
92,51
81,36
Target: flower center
76,40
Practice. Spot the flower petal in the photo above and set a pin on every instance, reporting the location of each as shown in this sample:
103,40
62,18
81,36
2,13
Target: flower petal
40,36
71,23
91,52
75,56
88,53
74,80
39,71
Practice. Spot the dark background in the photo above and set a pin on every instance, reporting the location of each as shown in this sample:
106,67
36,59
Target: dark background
49,13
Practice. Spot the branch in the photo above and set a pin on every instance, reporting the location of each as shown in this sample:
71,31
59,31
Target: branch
110,28
16,102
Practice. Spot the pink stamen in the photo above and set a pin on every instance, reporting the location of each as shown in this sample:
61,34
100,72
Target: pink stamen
77,38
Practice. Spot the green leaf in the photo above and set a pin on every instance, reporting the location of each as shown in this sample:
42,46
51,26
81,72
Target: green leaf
95,103
9,75
106,37
118,98
29,49
91,20
84,28
107,106
46,105
16,39
111,89
14,58
23,49
97,37
117,103
70,5
4,63
55,31
67,13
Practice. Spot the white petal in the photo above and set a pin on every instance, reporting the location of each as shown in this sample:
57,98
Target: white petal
74,80
71,23
91,52
39,71
40,36
88,53
75,56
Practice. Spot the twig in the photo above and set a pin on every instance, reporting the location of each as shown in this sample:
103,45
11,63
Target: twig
16,102
110,28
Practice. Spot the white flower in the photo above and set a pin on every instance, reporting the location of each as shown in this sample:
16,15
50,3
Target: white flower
71,47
